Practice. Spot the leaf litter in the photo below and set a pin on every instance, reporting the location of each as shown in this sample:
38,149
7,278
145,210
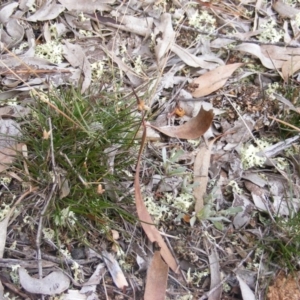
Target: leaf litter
215,70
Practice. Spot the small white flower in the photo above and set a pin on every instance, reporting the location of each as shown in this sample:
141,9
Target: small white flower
270,33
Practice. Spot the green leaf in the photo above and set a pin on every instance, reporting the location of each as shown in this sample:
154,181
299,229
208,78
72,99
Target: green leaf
204,213
231,211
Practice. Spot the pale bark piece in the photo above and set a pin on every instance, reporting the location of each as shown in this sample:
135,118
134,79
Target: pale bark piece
7,11
157,276
1,291
3,231
74,295
275,149
9,131
201,166
192,129
32,264
89,287
243,217
164,44
87,5
49,11
247,293
114,270
213,80
55,283
77,58
207,61
146,221
215,276
259,196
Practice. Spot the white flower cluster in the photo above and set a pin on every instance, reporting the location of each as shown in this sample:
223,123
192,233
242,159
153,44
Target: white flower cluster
249,157
270,33
164,209
203,21
51,51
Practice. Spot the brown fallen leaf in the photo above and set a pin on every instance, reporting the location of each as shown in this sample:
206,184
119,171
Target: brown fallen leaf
215,276
48,11
213,80
157,276
192,129
201,166
146,221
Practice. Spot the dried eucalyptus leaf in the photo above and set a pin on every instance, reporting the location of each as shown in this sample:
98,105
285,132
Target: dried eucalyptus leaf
55,283
48,11
7,11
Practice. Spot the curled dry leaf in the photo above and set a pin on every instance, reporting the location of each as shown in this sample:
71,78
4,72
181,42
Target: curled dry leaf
15,33
192,129
7,11
157,276
213,80
87,6
146,221
201,166
48,11
55,283
168,35
89,287
77,58
207,61
285,10
256,51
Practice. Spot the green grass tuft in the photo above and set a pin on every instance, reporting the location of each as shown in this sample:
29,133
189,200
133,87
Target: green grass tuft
93,144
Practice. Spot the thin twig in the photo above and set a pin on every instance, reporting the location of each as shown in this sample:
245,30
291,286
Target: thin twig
105,290
40,226
23,196
224,36
206,295
83,181
173,253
